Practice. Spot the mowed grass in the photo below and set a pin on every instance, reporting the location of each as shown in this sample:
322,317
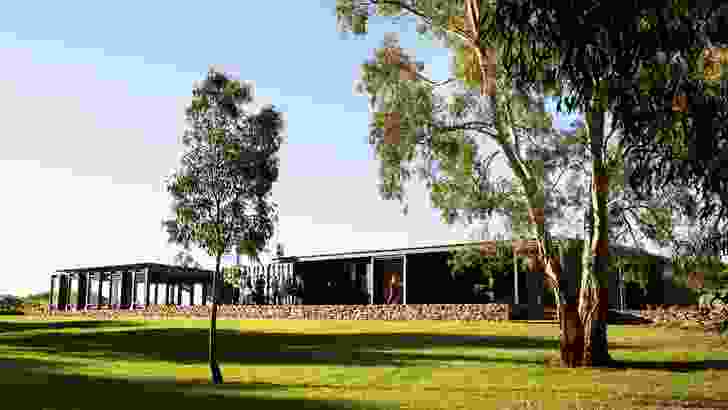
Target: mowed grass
131,365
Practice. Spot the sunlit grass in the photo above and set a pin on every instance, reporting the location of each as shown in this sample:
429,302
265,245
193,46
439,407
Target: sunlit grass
345,364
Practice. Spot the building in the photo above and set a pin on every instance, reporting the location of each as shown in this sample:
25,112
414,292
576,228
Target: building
132,286
359,277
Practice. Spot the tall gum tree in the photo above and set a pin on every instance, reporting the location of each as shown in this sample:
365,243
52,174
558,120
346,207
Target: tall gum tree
221,193
603,58
411,118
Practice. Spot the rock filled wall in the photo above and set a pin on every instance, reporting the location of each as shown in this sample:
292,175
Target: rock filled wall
491,311
680,314
657,314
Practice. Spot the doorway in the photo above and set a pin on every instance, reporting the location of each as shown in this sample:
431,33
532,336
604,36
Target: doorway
384,270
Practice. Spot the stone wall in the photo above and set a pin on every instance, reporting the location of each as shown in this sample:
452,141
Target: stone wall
659,315
681,314
491,311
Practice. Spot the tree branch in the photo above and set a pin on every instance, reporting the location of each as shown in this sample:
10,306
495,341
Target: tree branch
455,31
629,225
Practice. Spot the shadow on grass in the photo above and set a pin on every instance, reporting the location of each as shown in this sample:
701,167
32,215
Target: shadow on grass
20,326
693,402
673,366
24,380
189,346
625,318
678,366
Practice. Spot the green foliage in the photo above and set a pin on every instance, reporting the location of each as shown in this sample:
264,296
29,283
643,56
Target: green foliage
221,194
473,263
10,303
186,260
464,67
714,271
37,298
634,268
231,275
439,142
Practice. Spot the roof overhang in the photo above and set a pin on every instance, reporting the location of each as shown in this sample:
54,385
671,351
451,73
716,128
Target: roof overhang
526,246
177,272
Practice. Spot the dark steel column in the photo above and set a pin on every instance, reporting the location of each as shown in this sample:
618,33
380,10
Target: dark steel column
146,287
50,295
81,291
404,279
111,289
62,293
124,291
101,282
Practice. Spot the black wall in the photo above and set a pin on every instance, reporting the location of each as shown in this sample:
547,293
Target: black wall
429,281
329,282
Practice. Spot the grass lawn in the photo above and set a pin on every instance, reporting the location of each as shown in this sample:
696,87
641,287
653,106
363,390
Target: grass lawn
87,364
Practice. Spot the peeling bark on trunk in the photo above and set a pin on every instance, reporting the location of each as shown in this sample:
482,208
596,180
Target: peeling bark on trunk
571,332
594,295
214,367
571,329
596,350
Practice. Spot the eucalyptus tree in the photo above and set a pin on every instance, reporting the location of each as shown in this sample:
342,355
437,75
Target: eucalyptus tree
635,64
440,135
184,259
221,193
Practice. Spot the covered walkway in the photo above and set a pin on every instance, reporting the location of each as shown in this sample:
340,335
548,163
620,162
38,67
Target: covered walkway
132,286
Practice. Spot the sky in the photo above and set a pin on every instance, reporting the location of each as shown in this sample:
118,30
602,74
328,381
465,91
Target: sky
92,105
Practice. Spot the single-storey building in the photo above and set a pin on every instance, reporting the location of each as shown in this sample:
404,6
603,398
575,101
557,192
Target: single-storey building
359,277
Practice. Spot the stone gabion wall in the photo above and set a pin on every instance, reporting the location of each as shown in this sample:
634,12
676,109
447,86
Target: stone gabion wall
677,314
491,311
657,314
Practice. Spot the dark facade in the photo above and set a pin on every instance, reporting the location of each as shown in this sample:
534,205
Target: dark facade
361,277
342,278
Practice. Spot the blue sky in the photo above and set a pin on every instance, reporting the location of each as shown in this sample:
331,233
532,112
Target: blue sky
92,105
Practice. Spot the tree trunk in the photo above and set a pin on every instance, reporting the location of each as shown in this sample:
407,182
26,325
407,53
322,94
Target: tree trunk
594,296
571,331
214,368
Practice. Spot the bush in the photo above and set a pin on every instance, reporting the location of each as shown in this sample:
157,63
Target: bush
10,302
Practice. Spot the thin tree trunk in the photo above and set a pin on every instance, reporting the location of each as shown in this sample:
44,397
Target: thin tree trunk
594,296
214,368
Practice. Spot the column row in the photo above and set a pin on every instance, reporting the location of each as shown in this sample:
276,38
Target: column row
126,289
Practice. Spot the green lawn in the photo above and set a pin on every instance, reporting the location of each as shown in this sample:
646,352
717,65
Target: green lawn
349,364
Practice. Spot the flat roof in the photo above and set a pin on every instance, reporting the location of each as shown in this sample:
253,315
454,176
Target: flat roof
397,252
154,267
